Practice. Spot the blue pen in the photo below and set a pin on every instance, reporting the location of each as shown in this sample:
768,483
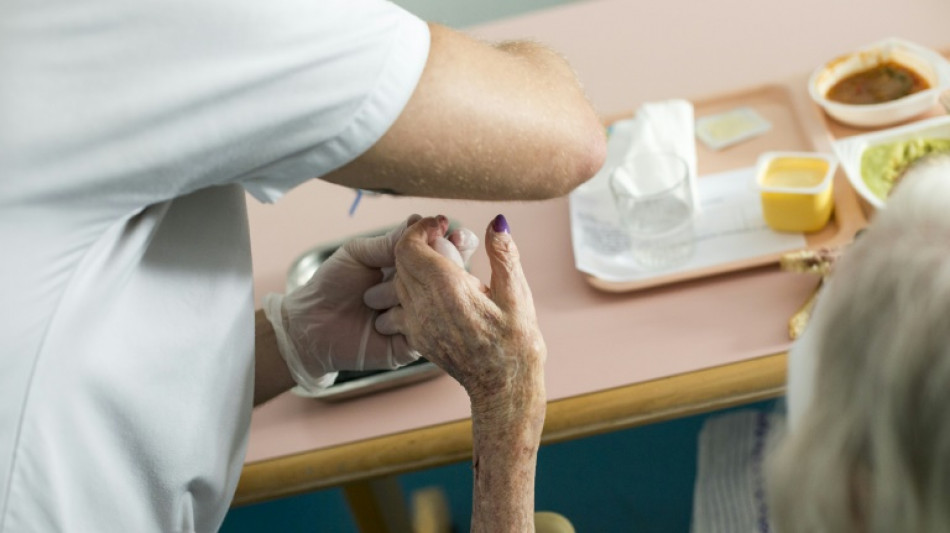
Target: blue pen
356,201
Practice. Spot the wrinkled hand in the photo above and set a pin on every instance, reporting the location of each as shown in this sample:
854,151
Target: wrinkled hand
324,326
457,247
487,338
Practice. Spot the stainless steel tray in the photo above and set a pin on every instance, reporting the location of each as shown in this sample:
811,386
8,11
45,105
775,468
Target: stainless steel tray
421,370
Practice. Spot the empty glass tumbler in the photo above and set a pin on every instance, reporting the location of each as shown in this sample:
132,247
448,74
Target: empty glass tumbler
655,203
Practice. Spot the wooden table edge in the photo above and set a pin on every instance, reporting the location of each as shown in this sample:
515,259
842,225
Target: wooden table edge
580,416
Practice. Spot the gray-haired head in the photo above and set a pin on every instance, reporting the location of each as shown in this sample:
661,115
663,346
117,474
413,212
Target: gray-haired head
872,450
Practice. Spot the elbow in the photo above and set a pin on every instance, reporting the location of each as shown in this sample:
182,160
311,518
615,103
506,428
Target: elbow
590,156
581,156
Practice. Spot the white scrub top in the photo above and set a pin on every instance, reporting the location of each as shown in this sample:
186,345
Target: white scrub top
129,132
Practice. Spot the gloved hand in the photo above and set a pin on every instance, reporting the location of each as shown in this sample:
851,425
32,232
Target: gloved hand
324,326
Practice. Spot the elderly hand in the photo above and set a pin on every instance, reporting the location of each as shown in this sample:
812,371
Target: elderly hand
487,338
458,247
324,326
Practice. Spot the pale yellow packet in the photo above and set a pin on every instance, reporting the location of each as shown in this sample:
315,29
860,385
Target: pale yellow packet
728,128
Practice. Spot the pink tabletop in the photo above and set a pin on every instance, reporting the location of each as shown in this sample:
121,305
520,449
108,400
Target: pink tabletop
626,53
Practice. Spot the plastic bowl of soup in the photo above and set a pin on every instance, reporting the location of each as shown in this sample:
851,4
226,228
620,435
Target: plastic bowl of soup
881,84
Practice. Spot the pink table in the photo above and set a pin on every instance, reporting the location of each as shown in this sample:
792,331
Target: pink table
614,360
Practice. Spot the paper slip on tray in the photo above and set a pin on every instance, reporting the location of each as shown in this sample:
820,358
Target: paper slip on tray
789,132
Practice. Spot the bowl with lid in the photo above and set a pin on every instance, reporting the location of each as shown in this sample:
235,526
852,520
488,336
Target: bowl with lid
884,83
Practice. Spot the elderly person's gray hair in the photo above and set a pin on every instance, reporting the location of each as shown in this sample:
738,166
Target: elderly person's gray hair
871,453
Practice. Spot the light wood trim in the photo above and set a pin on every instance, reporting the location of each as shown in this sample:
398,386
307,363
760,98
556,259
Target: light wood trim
377,505
570,418
430,511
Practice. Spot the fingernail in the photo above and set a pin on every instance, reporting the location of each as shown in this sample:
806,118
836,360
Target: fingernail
500,224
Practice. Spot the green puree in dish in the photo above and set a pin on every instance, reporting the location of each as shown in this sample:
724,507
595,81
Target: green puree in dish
883,165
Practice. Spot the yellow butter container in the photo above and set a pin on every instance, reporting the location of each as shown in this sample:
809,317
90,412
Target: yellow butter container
796,190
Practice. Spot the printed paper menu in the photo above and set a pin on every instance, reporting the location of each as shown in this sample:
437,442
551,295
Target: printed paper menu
728,227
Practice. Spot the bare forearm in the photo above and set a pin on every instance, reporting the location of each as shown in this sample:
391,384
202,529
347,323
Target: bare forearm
271,376
504,458
501,122
549,71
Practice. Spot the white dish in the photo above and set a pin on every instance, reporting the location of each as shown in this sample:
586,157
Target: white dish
926,62
850,149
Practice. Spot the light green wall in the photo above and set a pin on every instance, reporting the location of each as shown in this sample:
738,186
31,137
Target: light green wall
461,13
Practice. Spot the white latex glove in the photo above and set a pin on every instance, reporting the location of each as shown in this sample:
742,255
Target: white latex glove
458,246
324,326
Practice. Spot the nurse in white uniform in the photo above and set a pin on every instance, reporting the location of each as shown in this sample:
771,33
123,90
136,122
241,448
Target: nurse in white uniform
129,134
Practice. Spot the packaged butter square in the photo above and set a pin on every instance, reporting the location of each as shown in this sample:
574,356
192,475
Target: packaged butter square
726,129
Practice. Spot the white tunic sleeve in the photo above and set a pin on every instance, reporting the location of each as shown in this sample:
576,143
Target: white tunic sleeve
147,101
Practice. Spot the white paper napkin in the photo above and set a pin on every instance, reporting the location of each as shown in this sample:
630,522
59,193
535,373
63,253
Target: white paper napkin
665,126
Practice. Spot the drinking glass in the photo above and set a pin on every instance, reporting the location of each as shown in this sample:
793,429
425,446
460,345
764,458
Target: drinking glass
652,193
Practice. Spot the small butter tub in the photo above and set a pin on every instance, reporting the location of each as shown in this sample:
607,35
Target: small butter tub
796,190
